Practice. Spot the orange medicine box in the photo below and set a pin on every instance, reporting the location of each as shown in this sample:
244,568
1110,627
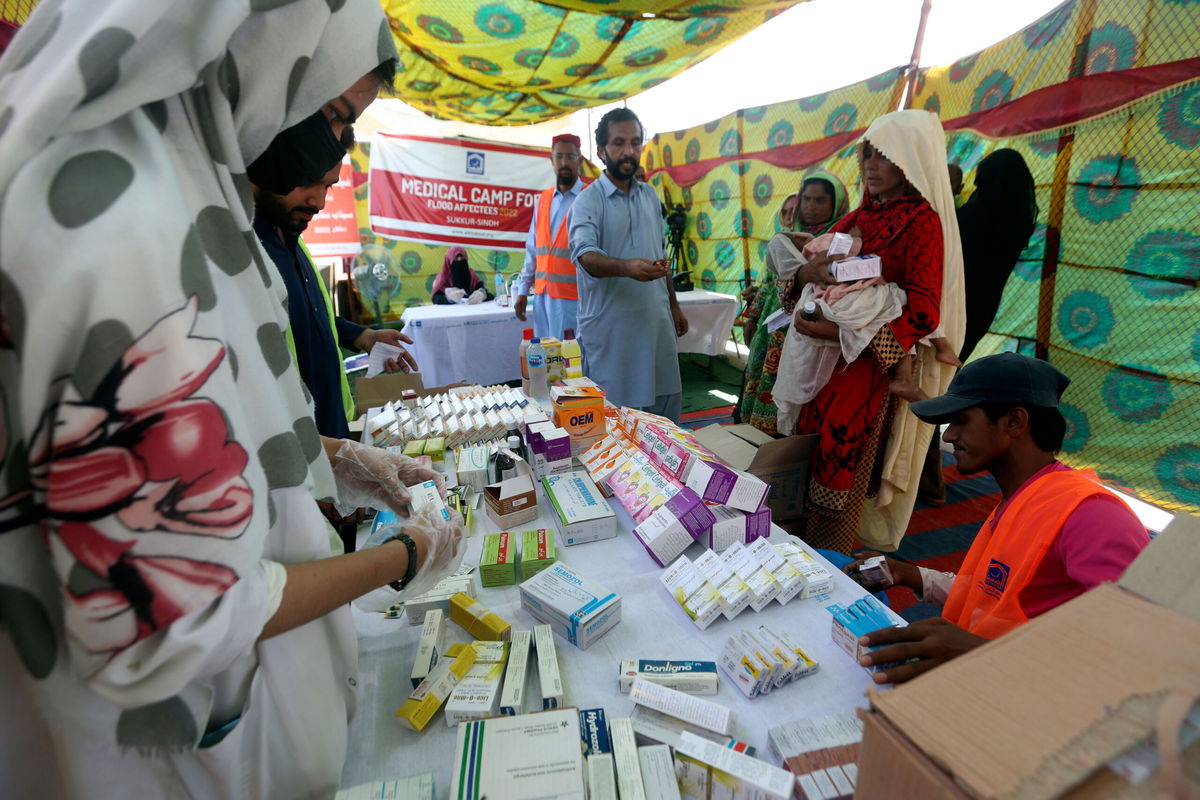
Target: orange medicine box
579,410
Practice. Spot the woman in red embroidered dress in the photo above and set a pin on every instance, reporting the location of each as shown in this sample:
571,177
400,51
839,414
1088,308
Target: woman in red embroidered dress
854,413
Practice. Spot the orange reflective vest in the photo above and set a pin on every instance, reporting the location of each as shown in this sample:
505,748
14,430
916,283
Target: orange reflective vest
554,273
986,596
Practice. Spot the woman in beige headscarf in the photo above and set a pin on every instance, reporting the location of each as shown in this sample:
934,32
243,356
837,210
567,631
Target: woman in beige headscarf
866,467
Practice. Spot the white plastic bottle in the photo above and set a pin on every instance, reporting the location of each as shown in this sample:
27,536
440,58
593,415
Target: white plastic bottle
501,290
535,357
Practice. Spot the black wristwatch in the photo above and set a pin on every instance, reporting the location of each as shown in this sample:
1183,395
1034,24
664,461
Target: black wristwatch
411,572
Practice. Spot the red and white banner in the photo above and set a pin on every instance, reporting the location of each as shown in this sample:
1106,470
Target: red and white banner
455,191
334,232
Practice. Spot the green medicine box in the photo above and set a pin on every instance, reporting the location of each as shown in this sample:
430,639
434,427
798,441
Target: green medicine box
537,551
498,562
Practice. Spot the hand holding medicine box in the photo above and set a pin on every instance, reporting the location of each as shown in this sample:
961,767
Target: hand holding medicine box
861,267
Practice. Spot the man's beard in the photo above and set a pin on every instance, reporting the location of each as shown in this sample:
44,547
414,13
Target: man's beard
566,179
272,208
623,168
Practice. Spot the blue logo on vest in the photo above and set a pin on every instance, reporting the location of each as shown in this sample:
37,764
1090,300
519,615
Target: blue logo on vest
474,162
996,579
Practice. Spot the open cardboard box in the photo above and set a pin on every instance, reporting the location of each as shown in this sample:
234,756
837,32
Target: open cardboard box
1044,710
514,501
781,463
374,392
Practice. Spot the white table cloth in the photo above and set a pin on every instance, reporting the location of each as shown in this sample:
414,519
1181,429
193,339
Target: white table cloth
651,626
479,343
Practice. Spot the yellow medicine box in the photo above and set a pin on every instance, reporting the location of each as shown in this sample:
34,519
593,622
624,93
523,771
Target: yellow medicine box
477,619
415,448
427,698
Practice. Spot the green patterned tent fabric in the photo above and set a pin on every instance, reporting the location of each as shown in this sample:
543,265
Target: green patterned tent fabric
522,61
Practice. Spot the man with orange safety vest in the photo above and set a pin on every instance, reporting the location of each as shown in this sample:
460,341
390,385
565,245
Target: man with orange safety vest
1056,533
548,265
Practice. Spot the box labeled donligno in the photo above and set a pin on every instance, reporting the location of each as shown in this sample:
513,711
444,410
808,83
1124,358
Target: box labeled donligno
692,677
581,513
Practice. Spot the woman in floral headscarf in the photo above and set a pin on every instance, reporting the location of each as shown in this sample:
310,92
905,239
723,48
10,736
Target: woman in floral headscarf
821,203
174,625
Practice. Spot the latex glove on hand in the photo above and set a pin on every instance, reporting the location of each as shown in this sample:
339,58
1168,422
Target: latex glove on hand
440,542
455,294
371,476
476,297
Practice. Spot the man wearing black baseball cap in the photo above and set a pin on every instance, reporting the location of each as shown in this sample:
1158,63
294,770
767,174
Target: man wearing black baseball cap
1056,533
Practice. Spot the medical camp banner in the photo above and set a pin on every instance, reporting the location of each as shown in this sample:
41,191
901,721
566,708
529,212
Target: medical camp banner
454,191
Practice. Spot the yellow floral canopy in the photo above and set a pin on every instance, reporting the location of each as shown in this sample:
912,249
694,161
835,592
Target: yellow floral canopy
519,62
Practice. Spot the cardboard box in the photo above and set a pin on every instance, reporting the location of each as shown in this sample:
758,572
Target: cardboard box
822,752
593,727
690,677
783,464
537,551
731,526
498,560
577,608
512,698
674,526
858,268
427,698
516,758
658,772
439,597
654,727
477,620
373,392
417,787
602,783
477,695
512,502
430,645
549,677
581,514
1068,694
700,765
471,466
625,756
692,710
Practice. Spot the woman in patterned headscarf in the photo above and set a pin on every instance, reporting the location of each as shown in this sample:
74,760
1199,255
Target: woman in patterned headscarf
174,625
821,203
864,472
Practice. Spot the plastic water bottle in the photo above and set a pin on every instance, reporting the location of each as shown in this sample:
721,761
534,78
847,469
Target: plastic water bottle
535,357
572,355
501,290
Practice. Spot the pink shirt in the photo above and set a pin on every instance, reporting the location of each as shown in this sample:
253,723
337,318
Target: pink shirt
1098,541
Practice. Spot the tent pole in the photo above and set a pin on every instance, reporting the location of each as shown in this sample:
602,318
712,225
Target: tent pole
914,63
